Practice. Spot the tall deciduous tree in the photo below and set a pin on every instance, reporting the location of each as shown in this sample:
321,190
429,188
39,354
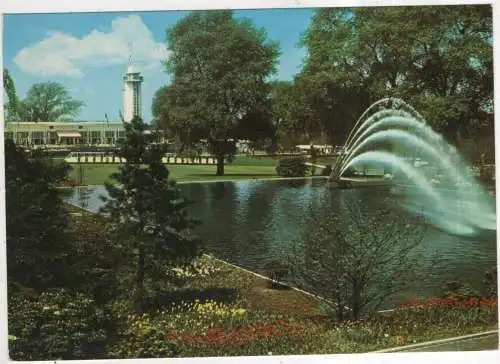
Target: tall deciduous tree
437,58
48,102
147,209
220,67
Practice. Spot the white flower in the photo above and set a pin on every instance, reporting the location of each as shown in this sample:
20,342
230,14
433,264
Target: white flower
386,335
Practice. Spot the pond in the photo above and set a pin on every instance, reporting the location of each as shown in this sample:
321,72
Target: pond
251,223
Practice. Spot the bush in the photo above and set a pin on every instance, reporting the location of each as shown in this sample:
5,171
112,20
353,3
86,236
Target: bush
327,171
292,167
349,172
189,153
57,325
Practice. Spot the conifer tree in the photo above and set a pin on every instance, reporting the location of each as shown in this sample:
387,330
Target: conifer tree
147,209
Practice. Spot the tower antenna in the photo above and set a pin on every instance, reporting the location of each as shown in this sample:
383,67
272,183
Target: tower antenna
130,58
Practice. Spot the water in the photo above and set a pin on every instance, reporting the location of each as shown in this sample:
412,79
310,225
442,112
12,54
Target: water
407,133
251,223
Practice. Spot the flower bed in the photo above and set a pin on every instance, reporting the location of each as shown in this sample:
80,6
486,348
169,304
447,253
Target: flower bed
452,302
237,337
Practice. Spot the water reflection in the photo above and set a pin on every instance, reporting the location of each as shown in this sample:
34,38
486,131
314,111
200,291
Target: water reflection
251,223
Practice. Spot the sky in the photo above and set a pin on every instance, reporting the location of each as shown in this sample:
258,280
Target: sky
88,52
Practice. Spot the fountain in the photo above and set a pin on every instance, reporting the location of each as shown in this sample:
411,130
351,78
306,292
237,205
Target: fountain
445,192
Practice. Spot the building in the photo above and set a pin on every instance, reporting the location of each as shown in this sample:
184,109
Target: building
81,133
32,134
132,95
322,149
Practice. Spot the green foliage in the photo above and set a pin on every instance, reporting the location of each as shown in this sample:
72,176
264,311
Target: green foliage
56,325
99,264
147,211
292,167
11,109
220,67
36,221
438,59
48,102
349,172
281,98
327,171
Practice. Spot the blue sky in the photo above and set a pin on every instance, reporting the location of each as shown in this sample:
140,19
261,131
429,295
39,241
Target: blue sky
88,52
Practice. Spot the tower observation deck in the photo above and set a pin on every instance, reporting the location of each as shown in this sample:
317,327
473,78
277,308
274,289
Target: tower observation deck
132,95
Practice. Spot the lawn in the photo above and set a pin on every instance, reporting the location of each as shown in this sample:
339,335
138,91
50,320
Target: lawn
242,168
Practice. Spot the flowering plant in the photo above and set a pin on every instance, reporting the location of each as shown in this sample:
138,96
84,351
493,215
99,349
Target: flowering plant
237,337
452,302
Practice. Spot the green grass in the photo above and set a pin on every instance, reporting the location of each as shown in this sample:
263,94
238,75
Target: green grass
242,168
489,342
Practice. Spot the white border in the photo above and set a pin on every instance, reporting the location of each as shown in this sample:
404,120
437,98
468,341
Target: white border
59,6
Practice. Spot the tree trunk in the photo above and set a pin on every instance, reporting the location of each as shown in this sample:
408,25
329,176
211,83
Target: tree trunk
220,165
356,302
340,310
139,282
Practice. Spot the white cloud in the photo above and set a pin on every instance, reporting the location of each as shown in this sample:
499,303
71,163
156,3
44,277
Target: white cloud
61,54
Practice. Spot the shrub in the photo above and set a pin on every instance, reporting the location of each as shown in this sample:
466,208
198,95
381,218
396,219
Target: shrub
327,171
349,172
57,325
190,153
292,167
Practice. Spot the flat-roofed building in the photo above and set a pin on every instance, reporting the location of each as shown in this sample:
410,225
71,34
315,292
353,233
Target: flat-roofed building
32,134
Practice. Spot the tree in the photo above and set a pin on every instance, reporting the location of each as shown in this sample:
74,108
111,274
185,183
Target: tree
220,66
13,103
358,257
437,58
48,102
281,98
147,211
36,220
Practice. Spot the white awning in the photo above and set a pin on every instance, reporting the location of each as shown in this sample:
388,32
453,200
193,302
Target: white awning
69,134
